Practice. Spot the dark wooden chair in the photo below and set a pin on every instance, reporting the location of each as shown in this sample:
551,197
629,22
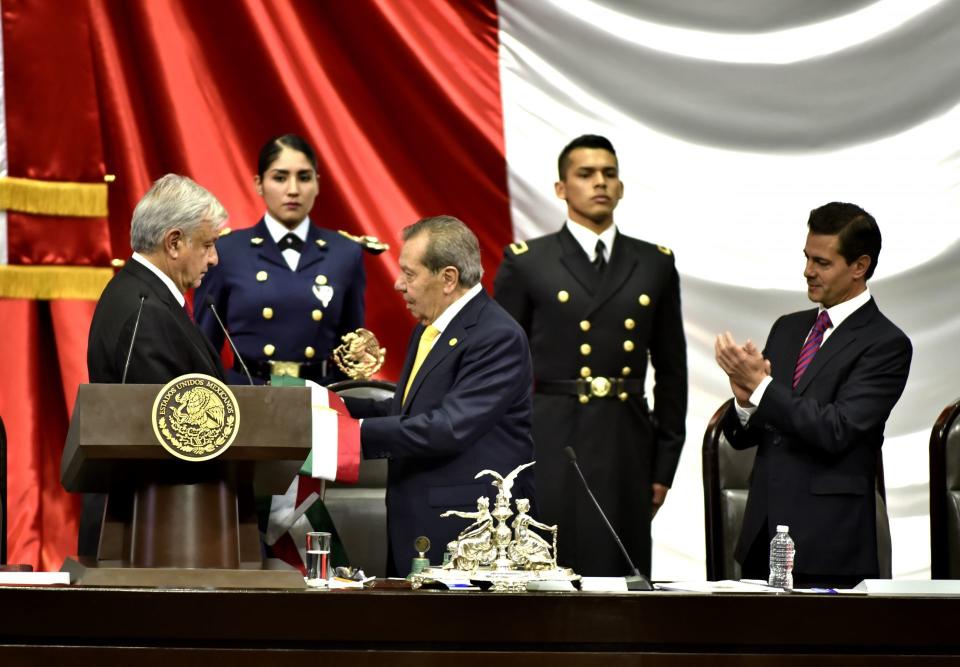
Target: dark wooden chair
945,494
726,483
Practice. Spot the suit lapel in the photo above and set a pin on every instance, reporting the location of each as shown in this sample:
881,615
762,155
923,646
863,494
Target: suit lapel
575,261
446,343
162,294
313,252
622,264
783,356
844,335
267,249
407,366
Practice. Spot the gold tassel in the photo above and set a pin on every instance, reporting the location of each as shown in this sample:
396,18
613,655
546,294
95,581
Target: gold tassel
27,195
53,282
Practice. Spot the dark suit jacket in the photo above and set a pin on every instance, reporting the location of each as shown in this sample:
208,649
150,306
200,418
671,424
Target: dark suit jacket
632,310
467,410
292,297
168,345
815,468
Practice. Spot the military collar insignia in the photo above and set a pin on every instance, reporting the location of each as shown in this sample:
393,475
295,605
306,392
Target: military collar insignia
371,244
256,240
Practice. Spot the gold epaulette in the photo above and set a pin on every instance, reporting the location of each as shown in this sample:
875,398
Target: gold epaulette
519,247
371,244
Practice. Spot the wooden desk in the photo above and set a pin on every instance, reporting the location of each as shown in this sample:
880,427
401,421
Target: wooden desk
94,626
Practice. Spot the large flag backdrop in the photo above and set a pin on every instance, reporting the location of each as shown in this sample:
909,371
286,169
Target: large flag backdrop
732,120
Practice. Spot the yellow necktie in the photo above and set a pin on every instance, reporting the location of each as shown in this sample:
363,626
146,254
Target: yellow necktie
423,349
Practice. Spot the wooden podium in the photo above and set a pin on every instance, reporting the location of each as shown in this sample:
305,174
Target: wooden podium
174,522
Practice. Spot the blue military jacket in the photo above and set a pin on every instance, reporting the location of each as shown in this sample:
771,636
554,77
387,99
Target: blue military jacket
275,313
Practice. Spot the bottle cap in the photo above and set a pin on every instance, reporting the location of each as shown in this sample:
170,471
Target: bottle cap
783,529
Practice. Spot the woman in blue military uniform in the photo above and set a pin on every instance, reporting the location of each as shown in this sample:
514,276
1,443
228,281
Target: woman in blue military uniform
286,289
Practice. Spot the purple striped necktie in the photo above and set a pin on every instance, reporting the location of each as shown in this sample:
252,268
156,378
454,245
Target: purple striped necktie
810,348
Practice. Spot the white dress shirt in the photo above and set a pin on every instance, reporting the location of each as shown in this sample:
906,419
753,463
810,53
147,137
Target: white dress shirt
278,231
587,239
177,294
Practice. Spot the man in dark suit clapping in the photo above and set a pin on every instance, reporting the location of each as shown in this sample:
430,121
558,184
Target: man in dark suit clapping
815,403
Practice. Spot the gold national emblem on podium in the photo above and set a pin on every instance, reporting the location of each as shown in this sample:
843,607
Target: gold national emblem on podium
195,417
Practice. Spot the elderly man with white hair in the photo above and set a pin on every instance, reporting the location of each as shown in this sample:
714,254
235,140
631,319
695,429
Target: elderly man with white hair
172,233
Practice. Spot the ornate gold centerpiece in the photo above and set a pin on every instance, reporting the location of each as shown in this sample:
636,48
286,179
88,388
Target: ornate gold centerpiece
359,356
505,554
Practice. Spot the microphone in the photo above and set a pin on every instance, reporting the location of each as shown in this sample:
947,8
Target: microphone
133,339
236,352
636,581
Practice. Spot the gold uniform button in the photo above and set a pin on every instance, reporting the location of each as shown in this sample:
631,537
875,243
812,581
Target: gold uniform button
585,349
317,314
309,353
452,342
269,349
261,276
585,372
584,399
629,324
644,300
628,345
623,396
268,313
563,296
584,325
321,280
626,371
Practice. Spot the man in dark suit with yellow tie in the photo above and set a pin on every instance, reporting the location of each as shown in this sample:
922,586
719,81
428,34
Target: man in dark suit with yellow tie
463,401
815,403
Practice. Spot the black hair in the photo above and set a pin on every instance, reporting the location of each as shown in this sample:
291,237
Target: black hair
275,146
856,230
583,141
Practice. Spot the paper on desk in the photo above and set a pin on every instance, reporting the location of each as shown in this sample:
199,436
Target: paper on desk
725,586
603,584
339,582
34,578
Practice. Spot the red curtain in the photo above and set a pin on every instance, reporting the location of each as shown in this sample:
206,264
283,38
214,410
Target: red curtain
400,99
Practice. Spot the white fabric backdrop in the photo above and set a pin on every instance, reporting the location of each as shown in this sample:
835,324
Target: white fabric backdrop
732,120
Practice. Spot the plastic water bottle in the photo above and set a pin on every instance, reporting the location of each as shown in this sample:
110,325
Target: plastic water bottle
781,559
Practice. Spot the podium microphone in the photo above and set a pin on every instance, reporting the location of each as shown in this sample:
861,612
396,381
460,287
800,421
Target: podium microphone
236,352
133,339
636,581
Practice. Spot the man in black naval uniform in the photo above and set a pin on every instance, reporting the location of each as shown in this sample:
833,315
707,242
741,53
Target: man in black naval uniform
596,305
